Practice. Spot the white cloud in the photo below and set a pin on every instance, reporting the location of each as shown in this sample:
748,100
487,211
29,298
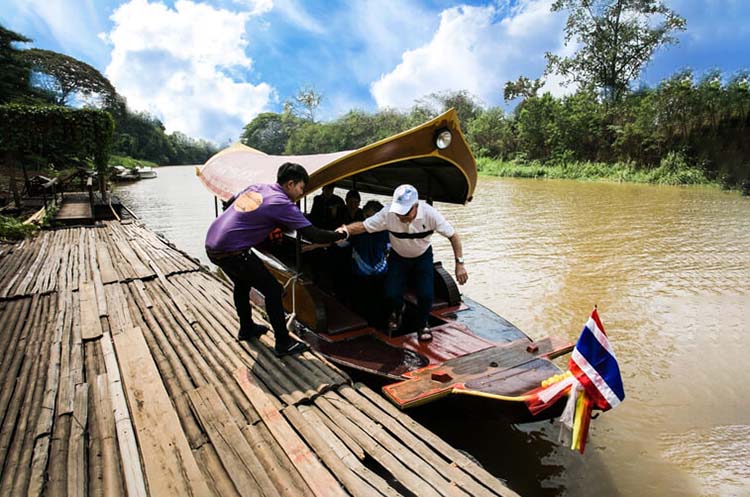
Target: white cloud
177,64
295,13
256,7
476,49
382,29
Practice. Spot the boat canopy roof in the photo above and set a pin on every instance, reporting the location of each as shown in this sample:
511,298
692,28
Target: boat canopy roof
443,175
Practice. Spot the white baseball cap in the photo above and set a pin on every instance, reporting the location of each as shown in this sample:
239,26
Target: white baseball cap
404,199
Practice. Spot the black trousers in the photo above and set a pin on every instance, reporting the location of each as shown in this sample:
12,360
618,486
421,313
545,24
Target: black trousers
247,271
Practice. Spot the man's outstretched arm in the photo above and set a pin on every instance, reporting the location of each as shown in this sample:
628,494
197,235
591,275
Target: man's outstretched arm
458,253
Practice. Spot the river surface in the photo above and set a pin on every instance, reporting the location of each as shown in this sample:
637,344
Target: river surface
668,267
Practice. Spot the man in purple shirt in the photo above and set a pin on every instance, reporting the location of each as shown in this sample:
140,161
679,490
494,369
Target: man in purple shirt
252,214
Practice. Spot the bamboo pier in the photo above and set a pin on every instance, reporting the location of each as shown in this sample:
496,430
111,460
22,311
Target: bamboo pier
120,375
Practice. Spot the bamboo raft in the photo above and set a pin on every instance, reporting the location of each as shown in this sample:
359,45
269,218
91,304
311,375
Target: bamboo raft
120,376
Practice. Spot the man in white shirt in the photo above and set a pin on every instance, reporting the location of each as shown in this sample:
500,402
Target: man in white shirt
410,224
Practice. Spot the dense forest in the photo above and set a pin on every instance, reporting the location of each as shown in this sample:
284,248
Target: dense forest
36,77
685,123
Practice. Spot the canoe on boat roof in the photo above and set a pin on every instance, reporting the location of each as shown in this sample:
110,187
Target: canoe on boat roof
443,175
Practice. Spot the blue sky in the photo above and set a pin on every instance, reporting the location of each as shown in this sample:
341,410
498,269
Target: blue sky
208,67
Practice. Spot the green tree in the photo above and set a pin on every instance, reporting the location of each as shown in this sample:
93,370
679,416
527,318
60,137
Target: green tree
738,96
315,138
538,129
64,76
467,105
305,102
617,38
14,77
676,104
388,122
269,131
142,136
522,87
710,100
188,150
491,134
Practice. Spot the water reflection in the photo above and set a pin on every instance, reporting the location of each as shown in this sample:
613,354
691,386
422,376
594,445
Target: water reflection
669,268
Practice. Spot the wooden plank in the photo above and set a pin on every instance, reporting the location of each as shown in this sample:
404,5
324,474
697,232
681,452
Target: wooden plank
91,327
107,269
415,444
219,480
315,418
131,461
280,469
174,295
136,265
140,287
77,443
111,479
173,371
353,483
101,299
14,475
348,441
455,456
117,305
168,461
249,476
401,451
403,473
317,477
43,431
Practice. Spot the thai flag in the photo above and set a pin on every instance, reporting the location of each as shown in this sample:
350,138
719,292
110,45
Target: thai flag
594,365
592,381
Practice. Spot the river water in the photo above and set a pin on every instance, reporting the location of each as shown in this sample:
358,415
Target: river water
668,267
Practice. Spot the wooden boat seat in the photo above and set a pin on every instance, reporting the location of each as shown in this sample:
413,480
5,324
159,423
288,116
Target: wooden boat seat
507,370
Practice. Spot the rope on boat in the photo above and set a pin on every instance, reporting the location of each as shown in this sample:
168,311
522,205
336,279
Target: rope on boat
293,315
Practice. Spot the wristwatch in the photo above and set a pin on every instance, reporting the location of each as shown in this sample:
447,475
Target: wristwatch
459,260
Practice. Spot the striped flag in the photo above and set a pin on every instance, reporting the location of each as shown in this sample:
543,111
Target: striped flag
592,381
594,365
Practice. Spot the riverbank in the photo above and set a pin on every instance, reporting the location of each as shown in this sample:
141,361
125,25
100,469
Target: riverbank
672,171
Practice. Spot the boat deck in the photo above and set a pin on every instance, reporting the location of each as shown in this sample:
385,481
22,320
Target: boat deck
504,371
120,375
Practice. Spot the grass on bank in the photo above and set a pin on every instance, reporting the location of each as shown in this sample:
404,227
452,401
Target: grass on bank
673,170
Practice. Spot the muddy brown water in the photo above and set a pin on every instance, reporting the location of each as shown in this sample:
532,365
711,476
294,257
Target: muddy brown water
668,267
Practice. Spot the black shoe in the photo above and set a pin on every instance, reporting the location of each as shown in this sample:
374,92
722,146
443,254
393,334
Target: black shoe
255,332
292,349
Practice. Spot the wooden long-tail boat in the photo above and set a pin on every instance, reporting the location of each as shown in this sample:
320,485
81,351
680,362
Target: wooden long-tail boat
474,351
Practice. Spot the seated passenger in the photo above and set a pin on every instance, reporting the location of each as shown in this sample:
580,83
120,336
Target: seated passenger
352,212
369,264
327,210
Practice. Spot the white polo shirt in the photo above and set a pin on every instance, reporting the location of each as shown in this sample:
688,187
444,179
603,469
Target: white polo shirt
415,239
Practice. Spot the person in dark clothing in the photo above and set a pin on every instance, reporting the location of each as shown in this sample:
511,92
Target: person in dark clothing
254,213
369,265
353,213
328,209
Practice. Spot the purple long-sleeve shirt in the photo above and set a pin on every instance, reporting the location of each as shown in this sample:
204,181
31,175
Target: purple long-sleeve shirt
256,211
